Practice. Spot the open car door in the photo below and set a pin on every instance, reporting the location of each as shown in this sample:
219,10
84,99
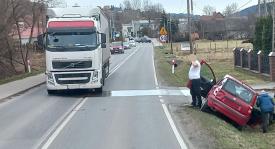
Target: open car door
208,78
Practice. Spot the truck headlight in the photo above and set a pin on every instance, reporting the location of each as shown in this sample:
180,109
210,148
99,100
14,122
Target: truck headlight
50,77
95,76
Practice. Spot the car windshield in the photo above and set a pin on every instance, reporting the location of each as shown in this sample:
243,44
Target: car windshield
116,43
125,43
69,40
238,90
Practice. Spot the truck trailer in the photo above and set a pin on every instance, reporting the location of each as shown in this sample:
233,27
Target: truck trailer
77,49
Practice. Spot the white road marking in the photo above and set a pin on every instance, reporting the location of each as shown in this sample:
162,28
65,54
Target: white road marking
156,92
174,128
154,69
56,124
73,112
162,101
119,65
64,123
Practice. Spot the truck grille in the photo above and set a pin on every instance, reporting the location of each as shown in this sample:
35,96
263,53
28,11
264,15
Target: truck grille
72,64
75,78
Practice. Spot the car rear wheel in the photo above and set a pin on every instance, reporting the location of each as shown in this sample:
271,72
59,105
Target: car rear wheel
204,105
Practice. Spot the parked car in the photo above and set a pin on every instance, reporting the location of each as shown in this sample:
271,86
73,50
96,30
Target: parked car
117,47
146,40
143,40
126,45
229,96
132,43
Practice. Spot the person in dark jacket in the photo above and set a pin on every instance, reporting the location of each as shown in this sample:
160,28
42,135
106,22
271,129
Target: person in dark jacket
266,104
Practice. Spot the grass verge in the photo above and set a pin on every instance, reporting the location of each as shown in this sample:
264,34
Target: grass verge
220,61
226,136
20,76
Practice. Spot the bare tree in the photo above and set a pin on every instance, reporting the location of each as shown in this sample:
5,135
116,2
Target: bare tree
230,9
136,4
208,10
55,3
127,4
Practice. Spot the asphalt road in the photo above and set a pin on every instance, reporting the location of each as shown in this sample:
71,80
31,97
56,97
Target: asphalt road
85,121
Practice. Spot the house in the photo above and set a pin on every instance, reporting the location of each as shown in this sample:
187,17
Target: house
25,30
183,25
127,30
139,25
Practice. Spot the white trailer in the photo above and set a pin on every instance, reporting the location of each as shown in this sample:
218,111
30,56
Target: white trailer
77,49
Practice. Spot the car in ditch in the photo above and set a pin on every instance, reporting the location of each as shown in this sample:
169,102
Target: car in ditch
229,96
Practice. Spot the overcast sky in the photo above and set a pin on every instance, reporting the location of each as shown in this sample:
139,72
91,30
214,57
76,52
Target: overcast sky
176,6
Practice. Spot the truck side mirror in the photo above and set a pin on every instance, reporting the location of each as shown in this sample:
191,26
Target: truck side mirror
103,40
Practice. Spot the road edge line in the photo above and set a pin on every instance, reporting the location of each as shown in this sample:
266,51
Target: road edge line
62,125
174,128
155,74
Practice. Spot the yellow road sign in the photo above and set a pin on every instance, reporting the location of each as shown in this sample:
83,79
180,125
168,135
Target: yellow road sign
163,31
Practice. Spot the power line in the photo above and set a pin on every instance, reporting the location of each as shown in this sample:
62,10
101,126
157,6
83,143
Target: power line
244,5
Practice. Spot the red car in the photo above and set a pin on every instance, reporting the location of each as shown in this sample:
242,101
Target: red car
229,96
117,47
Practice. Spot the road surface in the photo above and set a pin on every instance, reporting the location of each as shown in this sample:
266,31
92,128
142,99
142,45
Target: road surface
125,116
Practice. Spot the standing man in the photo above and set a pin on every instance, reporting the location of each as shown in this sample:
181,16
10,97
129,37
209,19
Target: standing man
266,104
194,76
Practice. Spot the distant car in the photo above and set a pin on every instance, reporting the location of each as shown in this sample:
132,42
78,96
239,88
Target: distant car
229,96
117,47
126,45
144,40
138,40
132,43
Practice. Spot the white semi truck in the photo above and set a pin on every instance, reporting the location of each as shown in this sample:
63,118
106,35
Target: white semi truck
77,49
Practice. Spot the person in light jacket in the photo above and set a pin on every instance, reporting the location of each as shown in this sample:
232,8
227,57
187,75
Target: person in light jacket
194,76
266,104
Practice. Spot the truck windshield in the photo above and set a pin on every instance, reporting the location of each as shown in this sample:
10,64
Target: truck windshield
68,41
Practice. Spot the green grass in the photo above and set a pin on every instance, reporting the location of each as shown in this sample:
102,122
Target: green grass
228,137
221,63
20,76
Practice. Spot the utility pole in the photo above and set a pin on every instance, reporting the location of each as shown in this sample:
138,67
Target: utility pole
113,23
273,26
259,8
265,8
189,27
170,32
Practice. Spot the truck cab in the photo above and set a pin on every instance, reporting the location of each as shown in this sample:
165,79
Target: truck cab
77,49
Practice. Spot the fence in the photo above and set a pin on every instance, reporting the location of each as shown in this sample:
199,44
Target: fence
244,59
256,62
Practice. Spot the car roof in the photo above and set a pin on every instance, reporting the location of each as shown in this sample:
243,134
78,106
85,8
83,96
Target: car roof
240,82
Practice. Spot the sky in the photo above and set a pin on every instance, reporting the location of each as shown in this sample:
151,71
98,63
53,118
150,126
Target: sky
172,6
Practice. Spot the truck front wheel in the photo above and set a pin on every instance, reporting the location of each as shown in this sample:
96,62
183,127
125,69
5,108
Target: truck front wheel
99,90
51,92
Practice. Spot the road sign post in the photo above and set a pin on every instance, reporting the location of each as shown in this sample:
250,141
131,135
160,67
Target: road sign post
163,35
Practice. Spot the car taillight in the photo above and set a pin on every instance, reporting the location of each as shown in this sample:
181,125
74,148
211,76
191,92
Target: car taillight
250,110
